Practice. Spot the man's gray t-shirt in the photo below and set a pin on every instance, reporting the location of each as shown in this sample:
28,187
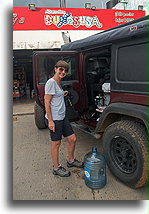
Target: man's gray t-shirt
57,102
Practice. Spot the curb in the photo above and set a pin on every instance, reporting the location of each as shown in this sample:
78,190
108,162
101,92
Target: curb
22,114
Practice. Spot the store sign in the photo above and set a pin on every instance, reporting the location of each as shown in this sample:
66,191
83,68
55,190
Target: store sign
68,19
20,20
71,18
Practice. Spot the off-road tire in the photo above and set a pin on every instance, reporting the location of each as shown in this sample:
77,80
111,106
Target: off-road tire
133,137
39,115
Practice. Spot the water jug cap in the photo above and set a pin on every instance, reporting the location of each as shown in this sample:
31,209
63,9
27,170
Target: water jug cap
94,149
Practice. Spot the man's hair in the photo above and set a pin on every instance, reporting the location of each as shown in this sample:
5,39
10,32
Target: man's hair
62,63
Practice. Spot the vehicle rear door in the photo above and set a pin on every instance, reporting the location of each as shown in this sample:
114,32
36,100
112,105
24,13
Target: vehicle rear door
44,62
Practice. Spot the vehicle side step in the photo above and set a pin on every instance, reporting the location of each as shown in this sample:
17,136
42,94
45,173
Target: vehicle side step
83,128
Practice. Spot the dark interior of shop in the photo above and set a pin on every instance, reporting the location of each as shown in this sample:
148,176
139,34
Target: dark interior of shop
22,75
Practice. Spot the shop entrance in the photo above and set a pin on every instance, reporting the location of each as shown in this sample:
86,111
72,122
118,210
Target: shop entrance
22,75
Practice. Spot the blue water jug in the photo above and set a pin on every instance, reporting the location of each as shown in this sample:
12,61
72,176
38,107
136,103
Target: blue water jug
95,169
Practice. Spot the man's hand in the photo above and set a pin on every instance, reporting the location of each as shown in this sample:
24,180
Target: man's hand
51,125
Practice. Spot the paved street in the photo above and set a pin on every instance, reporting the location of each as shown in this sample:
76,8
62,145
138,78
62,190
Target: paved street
32,168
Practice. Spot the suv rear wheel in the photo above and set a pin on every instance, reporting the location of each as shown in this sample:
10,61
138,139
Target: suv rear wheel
39,115
125,148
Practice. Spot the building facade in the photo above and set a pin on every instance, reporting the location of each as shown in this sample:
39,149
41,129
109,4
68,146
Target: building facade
47,25
133,5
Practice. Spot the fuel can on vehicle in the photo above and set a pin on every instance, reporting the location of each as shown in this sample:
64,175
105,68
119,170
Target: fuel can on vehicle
95,169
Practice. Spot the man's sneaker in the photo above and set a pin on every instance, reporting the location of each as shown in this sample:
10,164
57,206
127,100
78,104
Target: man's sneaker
61,171
75,163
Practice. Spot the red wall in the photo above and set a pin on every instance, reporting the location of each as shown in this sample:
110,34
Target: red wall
71,18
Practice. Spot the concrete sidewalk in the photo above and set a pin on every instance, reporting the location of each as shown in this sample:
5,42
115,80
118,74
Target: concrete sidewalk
23,107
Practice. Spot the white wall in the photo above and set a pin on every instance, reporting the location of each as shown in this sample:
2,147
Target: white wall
46,39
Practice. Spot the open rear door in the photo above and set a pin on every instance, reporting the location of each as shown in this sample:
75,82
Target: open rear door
44,62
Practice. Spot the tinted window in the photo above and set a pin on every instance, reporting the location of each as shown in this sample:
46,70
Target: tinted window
132,63
46,65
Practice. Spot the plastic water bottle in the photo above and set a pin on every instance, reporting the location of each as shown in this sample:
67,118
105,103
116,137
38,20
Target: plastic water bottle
95,169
